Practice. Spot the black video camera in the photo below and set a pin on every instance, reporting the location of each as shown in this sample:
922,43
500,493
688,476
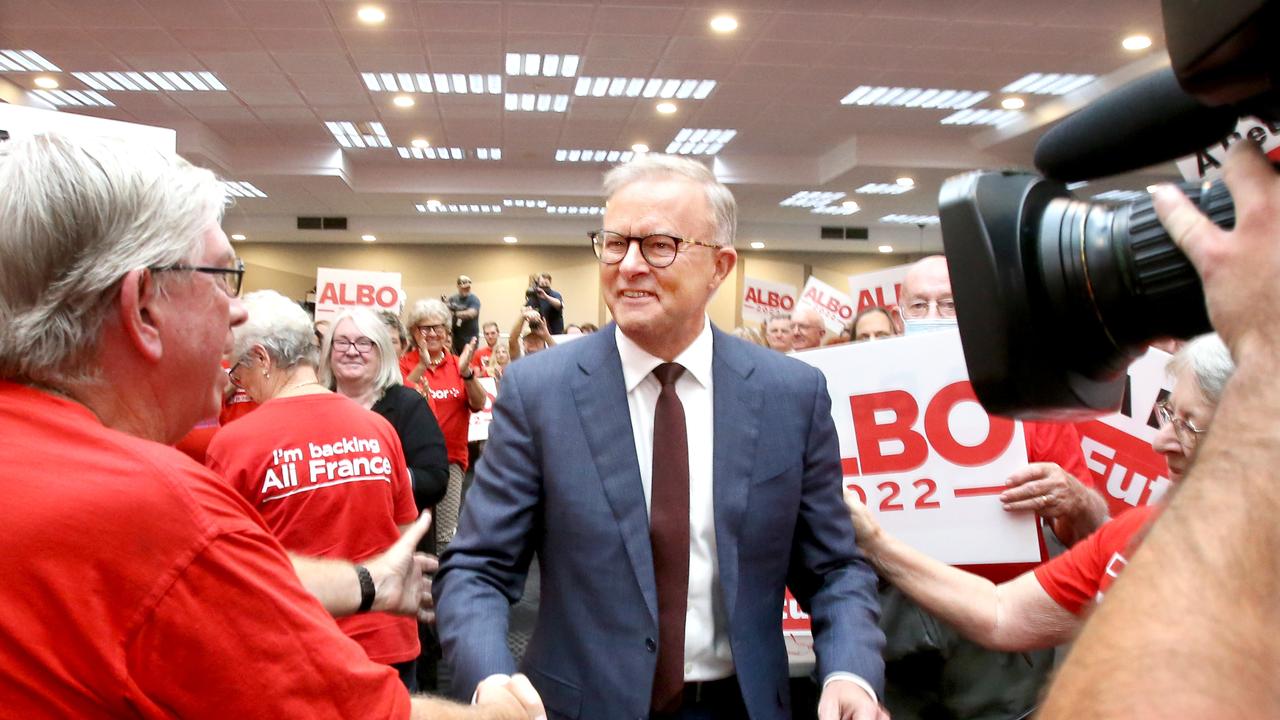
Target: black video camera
1055,296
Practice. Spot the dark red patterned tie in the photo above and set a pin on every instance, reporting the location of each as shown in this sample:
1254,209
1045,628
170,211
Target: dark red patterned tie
669,536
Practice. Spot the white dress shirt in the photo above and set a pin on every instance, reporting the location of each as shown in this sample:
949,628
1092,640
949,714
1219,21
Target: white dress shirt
706,635
707,655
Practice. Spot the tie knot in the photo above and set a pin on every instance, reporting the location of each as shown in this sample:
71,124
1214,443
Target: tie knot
668,373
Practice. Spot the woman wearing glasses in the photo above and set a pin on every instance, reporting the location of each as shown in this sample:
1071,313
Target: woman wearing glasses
360,362
327,476
1045,607
456,393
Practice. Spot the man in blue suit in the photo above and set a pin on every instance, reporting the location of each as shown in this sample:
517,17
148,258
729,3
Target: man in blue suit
672,481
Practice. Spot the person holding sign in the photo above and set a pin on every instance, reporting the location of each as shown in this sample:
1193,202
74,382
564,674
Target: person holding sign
1047,606
930,668
807,328
873,323
669,503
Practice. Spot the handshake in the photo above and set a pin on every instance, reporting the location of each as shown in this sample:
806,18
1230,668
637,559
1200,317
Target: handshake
503,697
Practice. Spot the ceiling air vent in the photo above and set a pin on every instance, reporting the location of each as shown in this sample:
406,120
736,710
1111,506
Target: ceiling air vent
843,233
322,223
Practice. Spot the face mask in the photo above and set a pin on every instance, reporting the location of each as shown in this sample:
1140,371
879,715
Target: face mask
927,325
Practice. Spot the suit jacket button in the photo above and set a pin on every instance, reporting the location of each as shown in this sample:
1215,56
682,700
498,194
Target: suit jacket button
650,645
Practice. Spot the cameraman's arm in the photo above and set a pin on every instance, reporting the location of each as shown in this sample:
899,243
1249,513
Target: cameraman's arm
552,300
1188,630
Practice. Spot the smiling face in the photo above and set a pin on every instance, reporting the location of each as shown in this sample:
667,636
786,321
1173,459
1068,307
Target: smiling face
349,364
662,309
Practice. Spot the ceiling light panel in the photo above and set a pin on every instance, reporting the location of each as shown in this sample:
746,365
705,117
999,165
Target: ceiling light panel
575,210
535,102
910,219
929,98
458,208
488,153
442,83
432,153
1048,83
538,65
359,135
845,209
164,81
242,189
25,61
73,98
523,203
700,141
997,118
811,199
883,189
634,87
594,156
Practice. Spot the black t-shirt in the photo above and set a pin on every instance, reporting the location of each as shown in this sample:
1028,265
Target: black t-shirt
464,330
552,314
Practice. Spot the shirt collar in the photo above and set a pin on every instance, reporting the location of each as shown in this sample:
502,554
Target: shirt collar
637,363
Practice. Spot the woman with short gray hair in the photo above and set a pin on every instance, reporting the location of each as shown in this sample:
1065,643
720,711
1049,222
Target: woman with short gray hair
451,383
327,476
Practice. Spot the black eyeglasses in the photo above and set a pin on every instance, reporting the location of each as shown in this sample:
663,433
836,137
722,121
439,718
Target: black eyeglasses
361,344
1187,432
657,250
229,279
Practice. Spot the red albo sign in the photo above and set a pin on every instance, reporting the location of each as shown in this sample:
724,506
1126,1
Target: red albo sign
366,295
770,299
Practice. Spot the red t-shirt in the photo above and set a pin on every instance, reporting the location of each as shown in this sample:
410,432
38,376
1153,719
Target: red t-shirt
330,480
478,358
140,585
449,398
236,406
1081,575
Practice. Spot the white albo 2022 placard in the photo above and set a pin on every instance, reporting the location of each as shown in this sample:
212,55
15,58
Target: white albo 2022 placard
919,449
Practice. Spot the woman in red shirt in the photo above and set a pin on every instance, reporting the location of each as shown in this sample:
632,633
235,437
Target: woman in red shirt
455,393
1046,606
327,476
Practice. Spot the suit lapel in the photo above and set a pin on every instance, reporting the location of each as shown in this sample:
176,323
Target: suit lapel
601,395
736,404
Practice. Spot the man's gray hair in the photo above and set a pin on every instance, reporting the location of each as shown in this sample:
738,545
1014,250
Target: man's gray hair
650,166
76,216
371,326
429,309
1210,363
280,326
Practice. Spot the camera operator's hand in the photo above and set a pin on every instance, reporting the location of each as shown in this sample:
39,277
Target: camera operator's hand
1239,268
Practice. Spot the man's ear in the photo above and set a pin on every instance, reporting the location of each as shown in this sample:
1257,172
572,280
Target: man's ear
137,308
726,259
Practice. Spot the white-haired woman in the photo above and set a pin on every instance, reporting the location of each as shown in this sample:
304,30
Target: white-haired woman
360,362
1046,607
455,391
327,476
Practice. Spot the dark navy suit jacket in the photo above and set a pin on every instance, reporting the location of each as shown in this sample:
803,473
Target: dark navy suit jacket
559,477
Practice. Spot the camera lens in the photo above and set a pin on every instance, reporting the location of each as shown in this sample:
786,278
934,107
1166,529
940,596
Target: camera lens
1115,280
1056,296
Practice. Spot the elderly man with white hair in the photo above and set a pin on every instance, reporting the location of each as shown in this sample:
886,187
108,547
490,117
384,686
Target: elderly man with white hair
141,584
807,328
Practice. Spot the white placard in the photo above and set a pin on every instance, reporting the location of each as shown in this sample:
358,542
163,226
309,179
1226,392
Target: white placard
878,288
21,121
1117,448
917,445
338,288
480,421
1207,164
834,306
762,299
